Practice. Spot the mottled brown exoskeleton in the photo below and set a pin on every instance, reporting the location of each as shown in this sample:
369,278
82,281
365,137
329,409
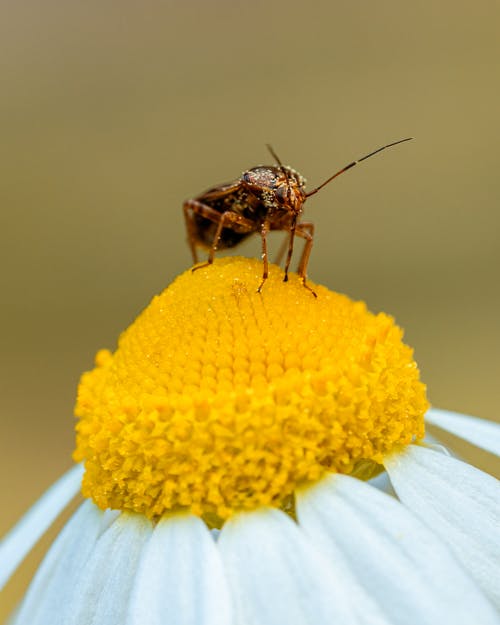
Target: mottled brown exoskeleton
264,198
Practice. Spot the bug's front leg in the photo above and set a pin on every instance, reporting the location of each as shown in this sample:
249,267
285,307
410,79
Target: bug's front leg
281,251
305,230
291,238
264,229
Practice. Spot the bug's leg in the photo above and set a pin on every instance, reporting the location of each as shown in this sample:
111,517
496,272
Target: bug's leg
305,230
264,229
281,251
229,219
200,207
191,237
195,207
215,243
290,250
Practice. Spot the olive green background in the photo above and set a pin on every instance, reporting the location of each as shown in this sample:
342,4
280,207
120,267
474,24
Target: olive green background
112,113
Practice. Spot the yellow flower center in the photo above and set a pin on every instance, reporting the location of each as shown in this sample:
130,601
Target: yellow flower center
220,398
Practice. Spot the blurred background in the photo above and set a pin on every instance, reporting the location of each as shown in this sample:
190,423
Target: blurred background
112,113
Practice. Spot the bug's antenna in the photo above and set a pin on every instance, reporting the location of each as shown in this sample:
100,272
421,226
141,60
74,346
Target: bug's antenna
389,145
282,167
274,155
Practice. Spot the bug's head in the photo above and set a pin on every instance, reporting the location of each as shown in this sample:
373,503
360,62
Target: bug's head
278,188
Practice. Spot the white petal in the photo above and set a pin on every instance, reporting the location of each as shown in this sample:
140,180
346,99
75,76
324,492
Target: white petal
365,609
275,574
21,538
54,580
479,432
383,483
180,579
460,503
397,559
100,595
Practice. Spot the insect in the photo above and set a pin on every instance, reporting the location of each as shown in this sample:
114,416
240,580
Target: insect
265,198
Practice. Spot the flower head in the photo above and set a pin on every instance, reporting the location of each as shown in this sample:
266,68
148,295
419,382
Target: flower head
263,415
220,398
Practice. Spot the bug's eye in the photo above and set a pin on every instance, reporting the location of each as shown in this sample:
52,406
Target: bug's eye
281,192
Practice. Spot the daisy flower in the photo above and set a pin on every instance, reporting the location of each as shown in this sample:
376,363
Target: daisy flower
235,450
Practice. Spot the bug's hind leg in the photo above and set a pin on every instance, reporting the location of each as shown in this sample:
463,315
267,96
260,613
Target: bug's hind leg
229,219
195,207
190,229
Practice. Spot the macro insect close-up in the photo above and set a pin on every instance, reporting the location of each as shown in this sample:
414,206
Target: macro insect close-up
264,198
302,426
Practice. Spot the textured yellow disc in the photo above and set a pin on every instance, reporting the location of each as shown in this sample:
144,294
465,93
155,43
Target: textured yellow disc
220,398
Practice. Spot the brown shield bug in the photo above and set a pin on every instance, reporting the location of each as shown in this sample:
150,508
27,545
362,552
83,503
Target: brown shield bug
264,198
